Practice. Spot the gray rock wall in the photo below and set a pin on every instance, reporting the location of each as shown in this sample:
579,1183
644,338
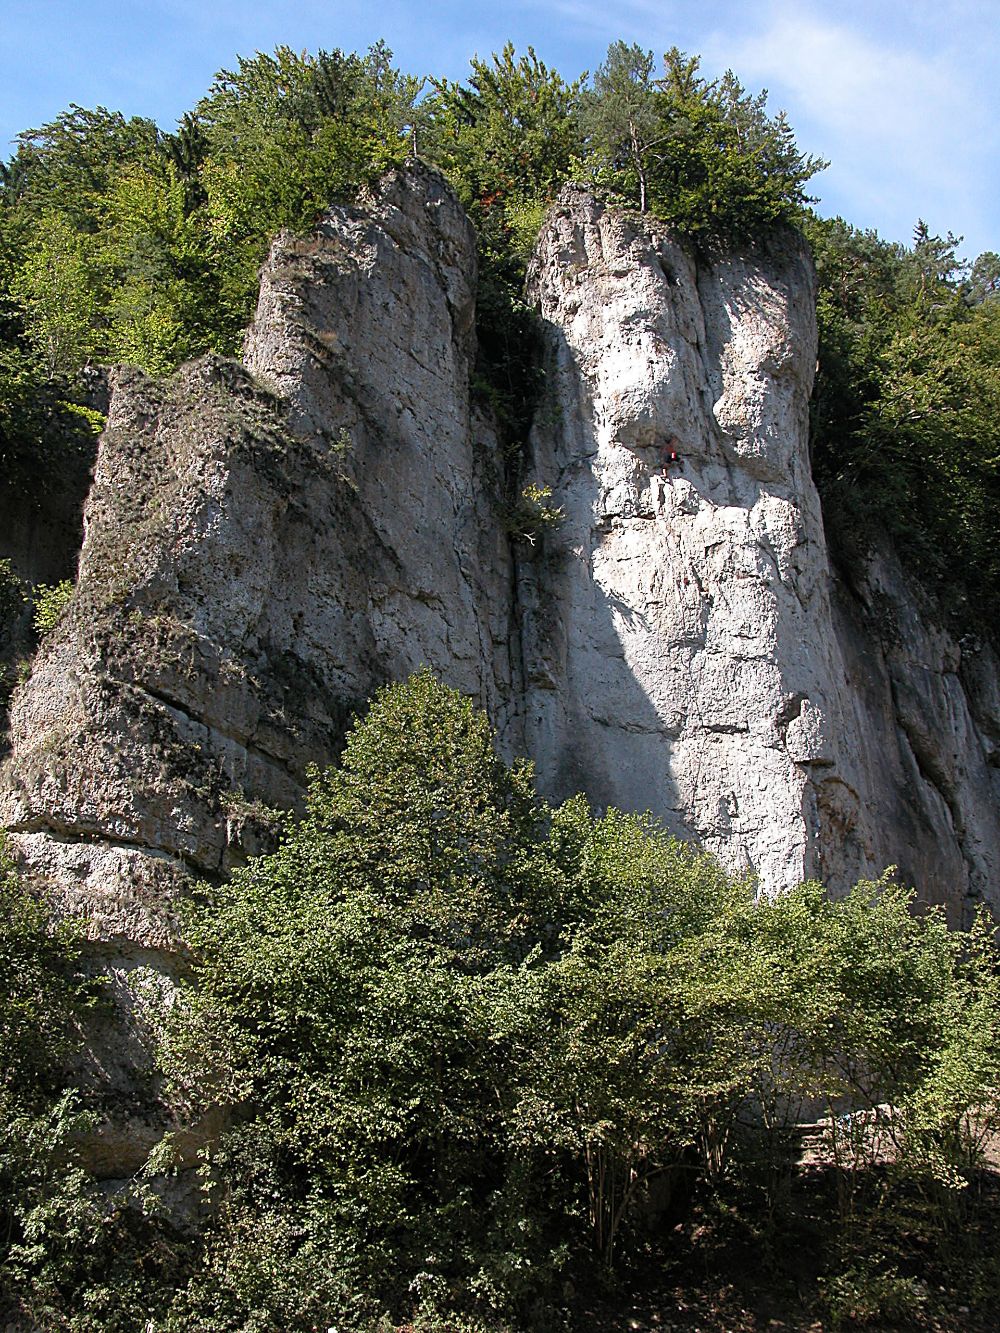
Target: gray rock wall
924,722
265,546
678,651
267,543
686,648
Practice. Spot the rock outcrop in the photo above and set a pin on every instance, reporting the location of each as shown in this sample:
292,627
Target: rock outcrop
922,751
686,645
678,649
266,543
264,546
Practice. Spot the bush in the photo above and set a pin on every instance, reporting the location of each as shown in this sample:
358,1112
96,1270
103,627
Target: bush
868,1293
11,599
904,413
445,1020
51,600
41,996
470,1044
470,1036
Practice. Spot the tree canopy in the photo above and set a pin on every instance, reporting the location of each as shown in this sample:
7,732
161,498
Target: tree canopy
121,243
470,1033
906,439
473,1053
704,156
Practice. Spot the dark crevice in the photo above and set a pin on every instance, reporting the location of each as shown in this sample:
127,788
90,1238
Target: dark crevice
244,743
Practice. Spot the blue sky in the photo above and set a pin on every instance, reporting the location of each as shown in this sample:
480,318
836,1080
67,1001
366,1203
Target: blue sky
903,98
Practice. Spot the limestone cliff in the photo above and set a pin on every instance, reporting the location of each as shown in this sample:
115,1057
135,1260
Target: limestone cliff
263,547
686,645
254,566
266,543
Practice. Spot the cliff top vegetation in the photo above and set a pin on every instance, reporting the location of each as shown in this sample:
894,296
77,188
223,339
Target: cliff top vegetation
120,243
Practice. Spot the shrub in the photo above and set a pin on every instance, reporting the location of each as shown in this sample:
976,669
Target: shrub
465,1039
443,1007
51,600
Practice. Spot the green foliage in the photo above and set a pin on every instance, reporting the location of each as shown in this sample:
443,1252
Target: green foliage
872,1292
127,245
984,279
905,433
620,119
75,1254
66,166
11,598
12,606
507,140
506,137
285,136
39,993
132,246
41,996
533,514
160,274
50,601
705,157
469,1038
43,435
405,997
56,288
472,1046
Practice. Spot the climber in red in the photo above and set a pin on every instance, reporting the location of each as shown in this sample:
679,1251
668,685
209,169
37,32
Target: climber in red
669,457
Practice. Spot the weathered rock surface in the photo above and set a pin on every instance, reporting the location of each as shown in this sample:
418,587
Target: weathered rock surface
679,656
685,646
264,547
923,723
266,543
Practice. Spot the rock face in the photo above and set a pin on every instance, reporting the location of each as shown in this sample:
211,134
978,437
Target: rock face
254,566
266,543
686,648
922,724
677,650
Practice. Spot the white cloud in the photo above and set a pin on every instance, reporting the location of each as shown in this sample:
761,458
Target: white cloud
899,95
905,129
853,86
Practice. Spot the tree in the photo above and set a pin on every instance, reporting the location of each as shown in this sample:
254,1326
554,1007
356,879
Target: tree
186,149
706,157
723,168
57,289
508,136
161,271
65,166
506,139
619,115
984,279
904,436
288,135
42,997
463,1037
444,1010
